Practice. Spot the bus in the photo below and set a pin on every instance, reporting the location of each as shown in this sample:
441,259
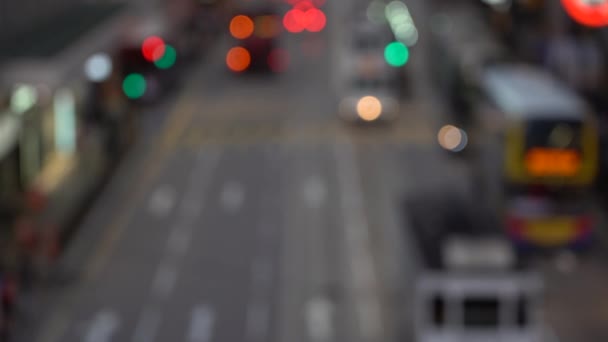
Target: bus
536,159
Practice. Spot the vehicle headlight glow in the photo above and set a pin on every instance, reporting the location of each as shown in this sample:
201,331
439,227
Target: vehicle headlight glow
369,108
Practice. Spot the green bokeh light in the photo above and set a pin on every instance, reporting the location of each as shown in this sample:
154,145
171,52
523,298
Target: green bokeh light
396,54
134,86
168,59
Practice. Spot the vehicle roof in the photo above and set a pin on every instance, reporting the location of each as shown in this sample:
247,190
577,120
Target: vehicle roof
525,92
464,283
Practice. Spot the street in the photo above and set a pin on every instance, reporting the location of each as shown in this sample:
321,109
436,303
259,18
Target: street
249,212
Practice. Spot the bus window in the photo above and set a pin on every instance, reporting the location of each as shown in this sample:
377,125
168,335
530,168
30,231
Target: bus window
554,134
438,311
481,312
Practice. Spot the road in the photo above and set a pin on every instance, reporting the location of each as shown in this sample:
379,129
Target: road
249,212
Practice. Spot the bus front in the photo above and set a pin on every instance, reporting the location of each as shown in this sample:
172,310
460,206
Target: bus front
552,162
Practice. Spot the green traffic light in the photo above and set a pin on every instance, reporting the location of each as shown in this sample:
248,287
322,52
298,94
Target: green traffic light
396,54
168,59
134,86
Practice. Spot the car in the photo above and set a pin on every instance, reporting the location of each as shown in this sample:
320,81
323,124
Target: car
255,30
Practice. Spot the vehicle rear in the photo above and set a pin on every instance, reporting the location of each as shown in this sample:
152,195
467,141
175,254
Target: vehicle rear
256,34
372,87
478,307
477,295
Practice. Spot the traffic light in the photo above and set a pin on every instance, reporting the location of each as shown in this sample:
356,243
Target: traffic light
396,54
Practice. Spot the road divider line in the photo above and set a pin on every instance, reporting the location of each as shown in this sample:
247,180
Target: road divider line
162,200
147,327
319,319
314,192
201,324
257,321
232,196
103,326
356,233
164,281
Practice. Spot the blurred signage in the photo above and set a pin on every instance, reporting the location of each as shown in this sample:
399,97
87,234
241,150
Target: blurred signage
552,162
592,13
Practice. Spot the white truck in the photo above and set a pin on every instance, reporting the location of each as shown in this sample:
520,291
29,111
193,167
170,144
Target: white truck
472,287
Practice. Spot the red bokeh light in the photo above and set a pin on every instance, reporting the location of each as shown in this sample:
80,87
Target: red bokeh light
153,48
291,21
587,14
297,20
278,60
315,20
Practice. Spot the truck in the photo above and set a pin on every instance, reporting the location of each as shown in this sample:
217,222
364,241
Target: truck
471,286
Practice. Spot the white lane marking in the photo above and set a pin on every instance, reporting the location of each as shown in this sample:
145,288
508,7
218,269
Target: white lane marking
147,327
232,196
103,326
164,281
314,192
319,314
162,200
257,321
201,324
356,231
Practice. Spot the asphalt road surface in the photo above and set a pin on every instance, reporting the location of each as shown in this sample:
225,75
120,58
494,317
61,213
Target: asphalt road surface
249,212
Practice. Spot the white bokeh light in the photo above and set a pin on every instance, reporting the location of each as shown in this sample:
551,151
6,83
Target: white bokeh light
98,67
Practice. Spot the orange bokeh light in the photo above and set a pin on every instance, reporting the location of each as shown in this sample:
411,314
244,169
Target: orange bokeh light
238,59
241,27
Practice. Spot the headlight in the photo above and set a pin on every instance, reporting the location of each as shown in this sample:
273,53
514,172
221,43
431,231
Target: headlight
369,108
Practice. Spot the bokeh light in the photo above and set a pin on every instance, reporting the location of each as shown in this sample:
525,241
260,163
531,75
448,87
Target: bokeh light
134,86
168,59
369,108
586,12
238,59
297,20
23,98
153,48
241,27
452,138
396,54
278,60
98,67
291,21
315,20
